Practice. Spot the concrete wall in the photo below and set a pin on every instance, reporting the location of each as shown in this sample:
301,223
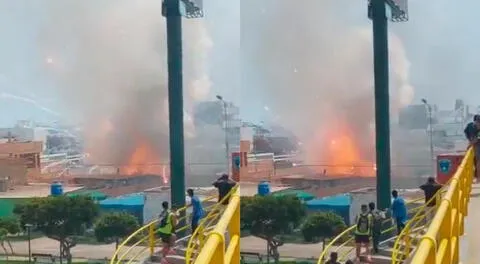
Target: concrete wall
155,196
17,148
13,172
359,197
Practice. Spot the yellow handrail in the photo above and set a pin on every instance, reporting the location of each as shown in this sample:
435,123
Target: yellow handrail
412,230
215,250
144,233
441,242
347,236
197,240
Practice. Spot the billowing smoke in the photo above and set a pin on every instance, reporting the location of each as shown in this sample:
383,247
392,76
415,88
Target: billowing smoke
109,65
315,65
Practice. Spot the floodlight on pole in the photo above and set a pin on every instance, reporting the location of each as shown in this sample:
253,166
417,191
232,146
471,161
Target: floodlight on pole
226,129
429,131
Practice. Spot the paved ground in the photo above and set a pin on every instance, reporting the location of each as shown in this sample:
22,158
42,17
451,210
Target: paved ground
470,242
257,245
49,246
249,244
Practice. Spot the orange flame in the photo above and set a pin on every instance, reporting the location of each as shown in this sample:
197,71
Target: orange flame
343,154
145,161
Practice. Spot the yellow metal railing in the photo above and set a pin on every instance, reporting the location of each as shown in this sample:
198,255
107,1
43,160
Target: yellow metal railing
135,246
415,228
215,249
440,244
344,243
198,238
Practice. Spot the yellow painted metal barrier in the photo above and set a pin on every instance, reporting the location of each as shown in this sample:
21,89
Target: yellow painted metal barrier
135,246
415,228
198,238
440,244
216,250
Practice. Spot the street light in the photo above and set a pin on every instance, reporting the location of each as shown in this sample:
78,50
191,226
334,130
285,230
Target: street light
429,132
29,227
226,124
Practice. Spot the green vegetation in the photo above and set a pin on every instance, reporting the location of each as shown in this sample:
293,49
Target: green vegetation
60,218
280,219
114,227
267,217
321,226
8,226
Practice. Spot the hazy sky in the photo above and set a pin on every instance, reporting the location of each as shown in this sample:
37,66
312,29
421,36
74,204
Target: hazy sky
441,43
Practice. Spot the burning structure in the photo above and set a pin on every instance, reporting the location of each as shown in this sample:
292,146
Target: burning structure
108,64
321,87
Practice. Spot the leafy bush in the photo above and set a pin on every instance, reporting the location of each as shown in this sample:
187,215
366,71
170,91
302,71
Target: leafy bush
323,225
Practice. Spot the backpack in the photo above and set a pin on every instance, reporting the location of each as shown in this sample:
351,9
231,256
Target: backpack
377,220
363,224
164,220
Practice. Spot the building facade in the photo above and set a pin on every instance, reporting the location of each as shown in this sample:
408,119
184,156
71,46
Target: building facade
19,161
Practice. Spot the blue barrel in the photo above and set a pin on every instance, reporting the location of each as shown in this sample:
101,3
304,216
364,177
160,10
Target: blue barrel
56,189
263,188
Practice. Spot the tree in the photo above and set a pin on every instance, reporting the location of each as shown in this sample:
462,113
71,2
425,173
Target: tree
11,227
59,218
268,216
114,227
320,226
3,238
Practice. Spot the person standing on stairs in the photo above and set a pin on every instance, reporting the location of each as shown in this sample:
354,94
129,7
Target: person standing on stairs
224,185
166,229
472,133
399,211
363,230
197,212
430,189
333,258
377,218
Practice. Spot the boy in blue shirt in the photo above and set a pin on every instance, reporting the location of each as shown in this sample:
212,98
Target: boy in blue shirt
399,211
198,211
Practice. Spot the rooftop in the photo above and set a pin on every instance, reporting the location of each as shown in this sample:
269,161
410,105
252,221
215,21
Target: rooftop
251,189
34,190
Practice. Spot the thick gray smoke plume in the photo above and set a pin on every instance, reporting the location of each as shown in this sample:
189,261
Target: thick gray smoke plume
314,62
109,61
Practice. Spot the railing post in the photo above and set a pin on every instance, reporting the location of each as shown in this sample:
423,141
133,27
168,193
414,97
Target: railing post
446,230
151,239
234,230
219,254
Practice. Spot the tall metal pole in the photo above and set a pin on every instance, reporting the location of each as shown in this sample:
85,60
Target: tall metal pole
227,145
29,242
382,108
175,101
430,132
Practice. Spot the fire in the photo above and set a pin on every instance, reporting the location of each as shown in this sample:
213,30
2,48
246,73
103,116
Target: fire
343,154
145,161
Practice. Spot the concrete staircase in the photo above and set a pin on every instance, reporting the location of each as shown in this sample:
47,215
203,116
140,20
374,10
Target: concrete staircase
176,257
384,255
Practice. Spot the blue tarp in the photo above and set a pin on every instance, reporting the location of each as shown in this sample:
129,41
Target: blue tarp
339,204
132,204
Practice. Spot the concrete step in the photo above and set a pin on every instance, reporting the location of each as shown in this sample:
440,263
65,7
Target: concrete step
375,259
170,259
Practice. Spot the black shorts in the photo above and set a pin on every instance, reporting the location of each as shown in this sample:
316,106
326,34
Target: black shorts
164,237
362,239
